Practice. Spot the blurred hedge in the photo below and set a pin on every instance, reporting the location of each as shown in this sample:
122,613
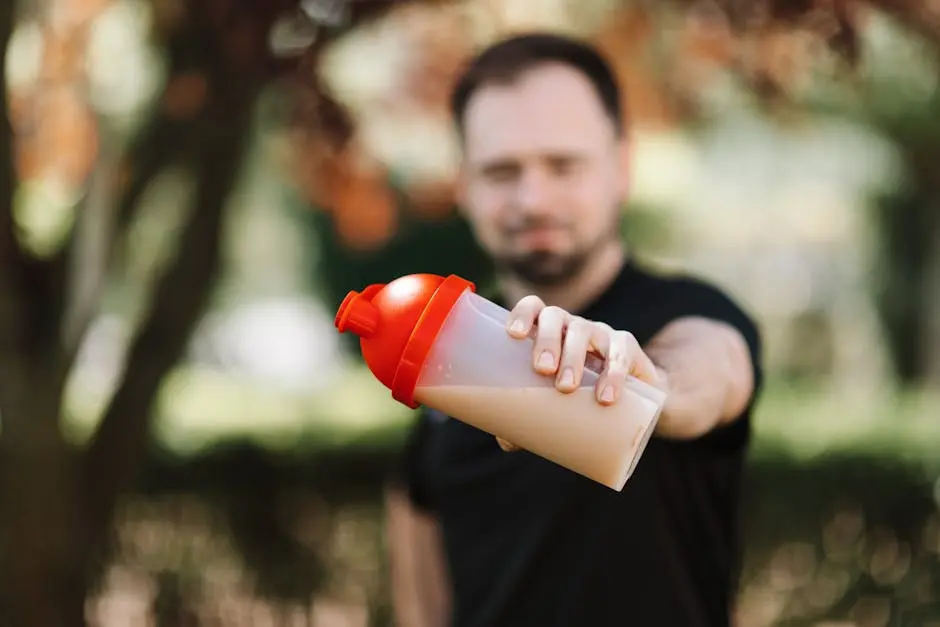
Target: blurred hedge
836,529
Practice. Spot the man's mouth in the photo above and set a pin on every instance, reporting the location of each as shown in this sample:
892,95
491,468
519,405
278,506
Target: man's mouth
541,236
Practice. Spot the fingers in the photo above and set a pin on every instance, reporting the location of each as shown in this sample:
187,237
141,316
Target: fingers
546,351
617,366
547,348
624,358
562,343
523,316
579,337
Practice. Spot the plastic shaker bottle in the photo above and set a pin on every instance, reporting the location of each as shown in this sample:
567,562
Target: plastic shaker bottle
433,341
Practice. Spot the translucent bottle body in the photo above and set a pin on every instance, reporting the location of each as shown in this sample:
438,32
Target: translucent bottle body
480,375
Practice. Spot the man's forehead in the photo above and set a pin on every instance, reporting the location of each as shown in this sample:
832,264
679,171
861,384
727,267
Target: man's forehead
550,110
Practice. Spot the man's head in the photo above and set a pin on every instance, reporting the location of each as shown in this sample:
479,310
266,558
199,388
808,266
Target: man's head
544,167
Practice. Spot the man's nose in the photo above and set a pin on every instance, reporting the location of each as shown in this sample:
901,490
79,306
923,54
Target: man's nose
532,190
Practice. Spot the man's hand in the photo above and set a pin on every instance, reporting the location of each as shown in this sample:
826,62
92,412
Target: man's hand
562,342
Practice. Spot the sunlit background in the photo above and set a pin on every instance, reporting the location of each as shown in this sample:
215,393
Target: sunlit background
309,165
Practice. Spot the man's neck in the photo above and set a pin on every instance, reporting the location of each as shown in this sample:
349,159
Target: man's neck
597,275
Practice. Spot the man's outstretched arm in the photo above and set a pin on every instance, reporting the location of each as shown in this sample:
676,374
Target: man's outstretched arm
706,368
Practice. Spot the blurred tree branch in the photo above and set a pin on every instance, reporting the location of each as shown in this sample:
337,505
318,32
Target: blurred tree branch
214,140
177,304
113,199
86,257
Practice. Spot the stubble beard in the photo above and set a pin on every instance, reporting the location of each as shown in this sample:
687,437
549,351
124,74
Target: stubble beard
545,269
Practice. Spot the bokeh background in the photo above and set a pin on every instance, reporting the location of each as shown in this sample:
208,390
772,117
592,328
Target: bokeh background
190,187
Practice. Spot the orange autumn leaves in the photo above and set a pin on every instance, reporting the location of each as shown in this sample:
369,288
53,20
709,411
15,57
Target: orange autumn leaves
665,54
356,190
354,186
336,170
56,132
56,128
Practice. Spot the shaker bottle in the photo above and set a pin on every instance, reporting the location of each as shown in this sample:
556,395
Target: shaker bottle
434,341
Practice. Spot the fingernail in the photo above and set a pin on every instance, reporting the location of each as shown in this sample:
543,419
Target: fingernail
546,361
517,327
567,378
607,394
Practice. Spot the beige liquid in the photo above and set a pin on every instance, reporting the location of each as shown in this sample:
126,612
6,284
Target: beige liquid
600,442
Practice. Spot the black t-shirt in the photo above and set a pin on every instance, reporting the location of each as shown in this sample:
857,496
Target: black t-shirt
531,544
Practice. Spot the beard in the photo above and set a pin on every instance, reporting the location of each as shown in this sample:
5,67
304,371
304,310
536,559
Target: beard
544,268
549,269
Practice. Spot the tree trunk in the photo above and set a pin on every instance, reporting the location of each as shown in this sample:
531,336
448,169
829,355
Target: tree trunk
43,580
41,525
57,502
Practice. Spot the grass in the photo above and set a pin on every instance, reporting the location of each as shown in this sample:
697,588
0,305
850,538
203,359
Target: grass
199,408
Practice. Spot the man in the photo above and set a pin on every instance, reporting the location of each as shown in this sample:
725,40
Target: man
481,537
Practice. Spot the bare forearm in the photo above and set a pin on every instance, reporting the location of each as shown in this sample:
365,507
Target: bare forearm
707,373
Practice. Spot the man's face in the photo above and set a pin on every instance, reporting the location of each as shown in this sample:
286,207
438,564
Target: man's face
544,173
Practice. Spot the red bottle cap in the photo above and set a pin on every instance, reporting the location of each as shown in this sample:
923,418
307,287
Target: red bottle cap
397,324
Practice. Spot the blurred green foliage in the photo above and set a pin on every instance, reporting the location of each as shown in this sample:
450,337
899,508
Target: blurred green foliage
841,518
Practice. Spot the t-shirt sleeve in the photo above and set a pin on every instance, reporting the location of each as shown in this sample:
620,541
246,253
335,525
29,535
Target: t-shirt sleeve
413,474
696,298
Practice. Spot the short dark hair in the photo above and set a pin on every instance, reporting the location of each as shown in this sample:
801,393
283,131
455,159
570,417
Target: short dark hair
506,61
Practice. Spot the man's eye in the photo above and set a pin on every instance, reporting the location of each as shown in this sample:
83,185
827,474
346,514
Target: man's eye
502,173
563,167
